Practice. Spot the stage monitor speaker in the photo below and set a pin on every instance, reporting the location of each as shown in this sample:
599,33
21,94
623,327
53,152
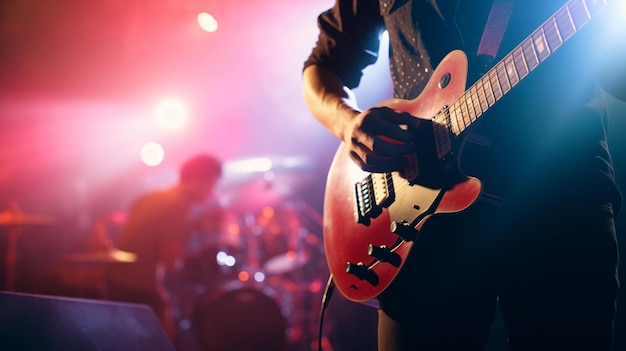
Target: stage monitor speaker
47,323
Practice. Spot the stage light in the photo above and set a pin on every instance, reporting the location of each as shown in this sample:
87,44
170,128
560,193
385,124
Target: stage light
224,259
233,230
250,165
152,154
207,22
172,114
243,276
259,277
267,212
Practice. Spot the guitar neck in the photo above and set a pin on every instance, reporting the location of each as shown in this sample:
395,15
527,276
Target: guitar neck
517,64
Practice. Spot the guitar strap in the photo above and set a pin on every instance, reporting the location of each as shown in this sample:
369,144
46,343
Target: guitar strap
495,27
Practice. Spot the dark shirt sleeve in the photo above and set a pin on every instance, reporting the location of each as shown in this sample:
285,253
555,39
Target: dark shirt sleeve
349,39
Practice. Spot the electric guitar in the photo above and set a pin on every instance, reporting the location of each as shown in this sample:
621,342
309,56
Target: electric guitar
371,220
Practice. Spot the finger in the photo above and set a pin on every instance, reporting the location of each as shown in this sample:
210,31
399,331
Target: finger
354,156
383,145
386,147
372,162
389,124
399,117
380,164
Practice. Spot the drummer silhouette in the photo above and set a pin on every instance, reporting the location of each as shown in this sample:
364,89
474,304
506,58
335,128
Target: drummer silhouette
157,230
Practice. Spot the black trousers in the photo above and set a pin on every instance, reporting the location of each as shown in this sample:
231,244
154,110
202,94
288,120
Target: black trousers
554,276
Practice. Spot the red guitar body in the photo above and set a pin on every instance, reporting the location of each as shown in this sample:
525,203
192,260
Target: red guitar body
359,275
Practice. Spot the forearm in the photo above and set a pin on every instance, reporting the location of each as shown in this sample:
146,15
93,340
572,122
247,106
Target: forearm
330,102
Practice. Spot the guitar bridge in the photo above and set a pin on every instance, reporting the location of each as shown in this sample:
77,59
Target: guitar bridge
372,194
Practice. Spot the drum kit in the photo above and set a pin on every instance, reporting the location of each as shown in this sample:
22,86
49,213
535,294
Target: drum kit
254,281
14,220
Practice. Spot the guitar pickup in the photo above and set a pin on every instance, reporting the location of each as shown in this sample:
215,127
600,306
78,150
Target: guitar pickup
372,194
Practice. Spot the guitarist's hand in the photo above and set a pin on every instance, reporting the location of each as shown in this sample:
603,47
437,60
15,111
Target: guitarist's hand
379,138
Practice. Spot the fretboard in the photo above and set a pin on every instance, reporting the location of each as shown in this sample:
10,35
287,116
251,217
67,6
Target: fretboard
516,65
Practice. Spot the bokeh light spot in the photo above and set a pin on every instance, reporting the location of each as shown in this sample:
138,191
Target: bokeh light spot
172,114
152,154
207,22
243,276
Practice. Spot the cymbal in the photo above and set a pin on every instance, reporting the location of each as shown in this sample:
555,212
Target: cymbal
14,217
286,262
108,256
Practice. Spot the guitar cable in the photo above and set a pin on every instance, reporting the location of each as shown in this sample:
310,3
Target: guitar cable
328,292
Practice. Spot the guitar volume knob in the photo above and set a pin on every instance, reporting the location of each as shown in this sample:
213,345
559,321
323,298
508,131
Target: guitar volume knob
362,272
403,230
383,254
357,269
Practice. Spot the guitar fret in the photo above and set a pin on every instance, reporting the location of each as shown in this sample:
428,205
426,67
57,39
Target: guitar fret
465,112
471,112
532,61
454,124
593,6
505,85
565,24
459,116
458,111
511,72
552,34
520,62
493,78
580,13
467,115
454,118
491,98
461,111
541,47
475,102
482,96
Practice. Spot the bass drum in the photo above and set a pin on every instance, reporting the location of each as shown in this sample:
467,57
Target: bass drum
245,316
